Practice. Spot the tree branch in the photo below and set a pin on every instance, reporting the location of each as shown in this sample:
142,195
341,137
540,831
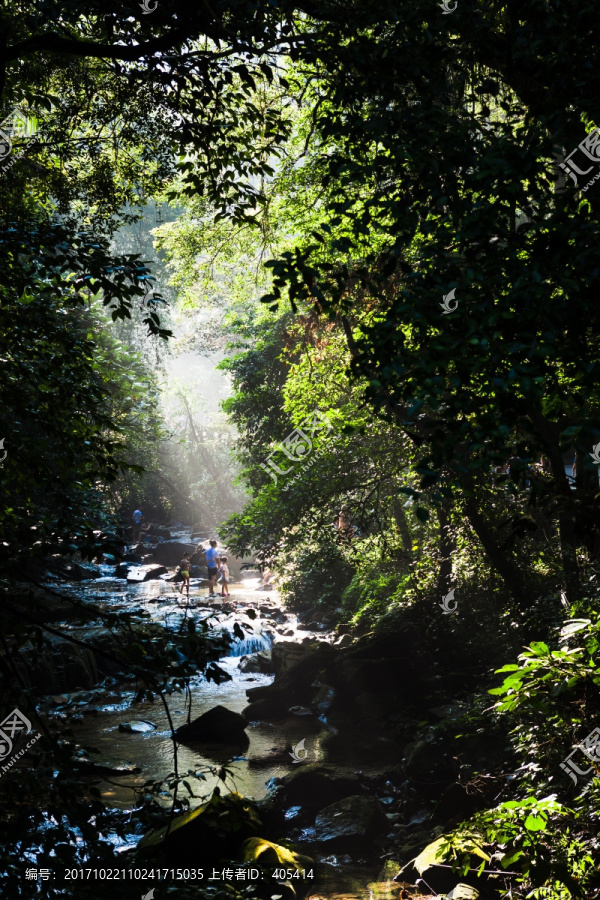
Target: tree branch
55,43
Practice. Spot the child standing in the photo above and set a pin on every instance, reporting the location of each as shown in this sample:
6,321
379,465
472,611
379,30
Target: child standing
184,571
225,579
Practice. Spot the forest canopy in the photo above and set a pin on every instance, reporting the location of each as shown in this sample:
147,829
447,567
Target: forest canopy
373,207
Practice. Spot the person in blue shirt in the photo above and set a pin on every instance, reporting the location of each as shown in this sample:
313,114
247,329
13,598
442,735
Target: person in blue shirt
137,524
212,561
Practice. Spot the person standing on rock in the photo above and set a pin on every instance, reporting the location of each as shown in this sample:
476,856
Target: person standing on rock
212,561
137,523
184,571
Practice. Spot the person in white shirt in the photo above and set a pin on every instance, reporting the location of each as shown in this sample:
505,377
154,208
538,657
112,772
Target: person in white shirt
224,579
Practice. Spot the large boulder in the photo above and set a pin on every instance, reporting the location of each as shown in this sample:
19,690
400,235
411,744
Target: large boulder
257,663
293,686
144,573
219,725
285,655
170,553
200,837
350,822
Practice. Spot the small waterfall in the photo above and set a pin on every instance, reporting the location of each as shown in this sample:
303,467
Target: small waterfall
252,644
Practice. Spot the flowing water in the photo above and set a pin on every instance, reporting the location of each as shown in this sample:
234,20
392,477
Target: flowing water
95,716
268,754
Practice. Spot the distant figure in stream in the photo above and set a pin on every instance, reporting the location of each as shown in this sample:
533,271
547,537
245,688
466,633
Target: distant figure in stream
137,524
224,579
212,561
184,571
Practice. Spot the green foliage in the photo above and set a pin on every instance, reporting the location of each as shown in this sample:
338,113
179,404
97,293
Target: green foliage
66,427
372,593
544,674
313,574
534,837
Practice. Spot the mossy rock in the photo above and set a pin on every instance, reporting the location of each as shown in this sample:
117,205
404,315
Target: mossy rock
271,856
207,834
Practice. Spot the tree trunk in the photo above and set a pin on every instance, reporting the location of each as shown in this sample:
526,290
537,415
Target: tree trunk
496,555
550,432
400,520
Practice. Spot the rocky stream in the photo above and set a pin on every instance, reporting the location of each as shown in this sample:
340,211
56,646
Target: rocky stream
324,745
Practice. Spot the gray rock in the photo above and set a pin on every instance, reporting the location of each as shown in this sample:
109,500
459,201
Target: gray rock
286,654
257,662
218,725
137,727
353,820
145,573
170,553
344,641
